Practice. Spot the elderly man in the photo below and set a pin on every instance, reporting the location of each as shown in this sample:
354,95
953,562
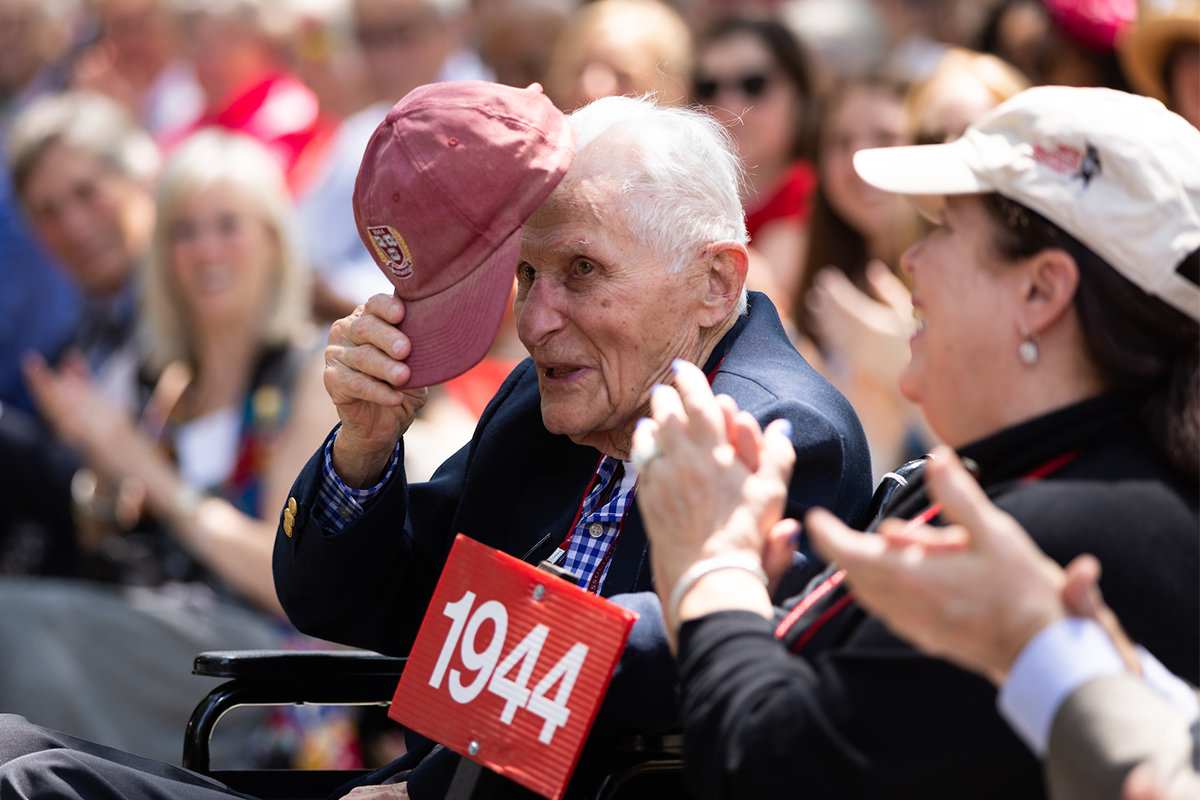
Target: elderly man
614,283
636,260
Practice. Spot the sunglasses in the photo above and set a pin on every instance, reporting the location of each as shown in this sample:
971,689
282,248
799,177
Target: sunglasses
749,85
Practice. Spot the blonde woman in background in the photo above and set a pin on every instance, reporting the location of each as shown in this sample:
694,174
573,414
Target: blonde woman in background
621,47
236,404
864,321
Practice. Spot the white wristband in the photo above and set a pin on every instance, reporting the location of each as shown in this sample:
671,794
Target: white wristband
698,570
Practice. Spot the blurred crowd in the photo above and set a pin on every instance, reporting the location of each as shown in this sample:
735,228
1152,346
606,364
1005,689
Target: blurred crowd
176,227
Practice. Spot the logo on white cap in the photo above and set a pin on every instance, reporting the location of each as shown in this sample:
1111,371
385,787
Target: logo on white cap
1070,161
392,251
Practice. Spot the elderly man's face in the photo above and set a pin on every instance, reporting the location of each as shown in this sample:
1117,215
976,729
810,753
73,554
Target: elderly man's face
600,314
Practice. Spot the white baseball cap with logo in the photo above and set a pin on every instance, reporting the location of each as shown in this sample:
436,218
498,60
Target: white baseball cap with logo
1117,171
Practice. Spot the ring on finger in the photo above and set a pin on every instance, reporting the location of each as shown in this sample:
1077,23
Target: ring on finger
645,450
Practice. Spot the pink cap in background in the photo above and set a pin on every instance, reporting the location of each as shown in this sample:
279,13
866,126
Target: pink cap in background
1094,24
445,185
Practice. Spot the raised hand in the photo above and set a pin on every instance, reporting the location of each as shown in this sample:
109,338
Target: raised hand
719,485
365,375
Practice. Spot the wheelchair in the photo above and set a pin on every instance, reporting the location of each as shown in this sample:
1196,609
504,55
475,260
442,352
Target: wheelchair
629,767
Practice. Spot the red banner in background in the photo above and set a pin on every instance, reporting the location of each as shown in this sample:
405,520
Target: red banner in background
510,666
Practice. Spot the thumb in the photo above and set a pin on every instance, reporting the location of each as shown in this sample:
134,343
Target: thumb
837,542
963,500
888,288
780,547
777,456
1080,593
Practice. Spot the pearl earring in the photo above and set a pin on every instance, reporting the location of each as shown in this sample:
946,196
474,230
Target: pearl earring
1027,351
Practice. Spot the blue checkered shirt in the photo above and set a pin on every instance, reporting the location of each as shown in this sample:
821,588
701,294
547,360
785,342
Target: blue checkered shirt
600,521
338,505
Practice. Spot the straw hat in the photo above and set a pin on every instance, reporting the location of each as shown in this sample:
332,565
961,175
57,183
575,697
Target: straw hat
1145,46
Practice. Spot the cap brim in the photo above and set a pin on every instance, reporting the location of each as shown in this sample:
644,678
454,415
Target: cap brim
452,331
924,173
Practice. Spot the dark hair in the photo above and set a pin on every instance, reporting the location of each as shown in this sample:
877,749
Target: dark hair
1178,48
832,241
788,55
1136,341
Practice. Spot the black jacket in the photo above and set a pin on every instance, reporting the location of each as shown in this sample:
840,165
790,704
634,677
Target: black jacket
859,713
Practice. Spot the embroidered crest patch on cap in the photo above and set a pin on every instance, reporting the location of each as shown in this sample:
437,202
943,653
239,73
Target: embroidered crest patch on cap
392,251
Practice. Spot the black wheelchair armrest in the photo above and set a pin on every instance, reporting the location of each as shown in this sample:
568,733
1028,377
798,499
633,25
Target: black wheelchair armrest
284,677
301,668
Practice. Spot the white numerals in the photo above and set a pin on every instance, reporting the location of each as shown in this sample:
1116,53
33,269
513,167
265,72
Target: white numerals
555,711
515,693
472,659
456,611
522,659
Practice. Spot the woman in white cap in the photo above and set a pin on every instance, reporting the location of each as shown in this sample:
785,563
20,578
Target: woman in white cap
1058,348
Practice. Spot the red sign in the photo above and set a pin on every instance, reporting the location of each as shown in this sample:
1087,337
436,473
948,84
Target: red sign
510,666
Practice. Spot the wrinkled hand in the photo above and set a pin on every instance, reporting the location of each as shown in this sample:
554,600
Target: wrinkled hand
365,374
720,485
71,401
974,592
871,335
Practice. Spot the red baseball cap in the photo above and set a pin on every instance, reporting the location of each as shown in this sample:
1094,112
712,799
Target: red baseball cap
447,181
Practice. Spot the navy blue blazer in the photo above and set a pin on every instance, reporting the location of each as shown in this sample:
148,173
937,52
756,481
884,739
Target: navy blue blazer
516,487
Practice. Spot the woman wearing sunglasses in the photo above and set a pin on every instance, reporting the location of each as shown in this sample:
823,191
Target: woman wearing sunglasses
1058,349
751,74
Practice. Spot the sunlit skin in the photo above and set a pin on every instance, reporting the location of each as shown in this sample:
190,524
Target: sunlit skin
223,256
97,221
404,44
227,54
603,316
620,49
865,117
977,310
955,102
762,126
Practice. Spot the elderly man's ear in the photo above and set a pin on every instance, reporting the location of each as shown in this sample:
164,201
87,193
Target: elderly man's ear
726,264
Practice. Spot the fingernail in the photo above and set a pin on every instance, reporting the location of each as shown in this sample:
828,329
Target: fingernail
972,466
794,539
785,428
677,364
641,423
655,389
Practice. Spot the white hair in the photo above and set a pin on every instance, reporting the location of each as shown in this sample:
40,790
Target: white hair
682,184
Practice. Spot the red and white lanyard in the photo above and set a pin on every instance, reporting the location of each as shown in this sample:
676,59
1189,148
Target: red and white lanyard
826,586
